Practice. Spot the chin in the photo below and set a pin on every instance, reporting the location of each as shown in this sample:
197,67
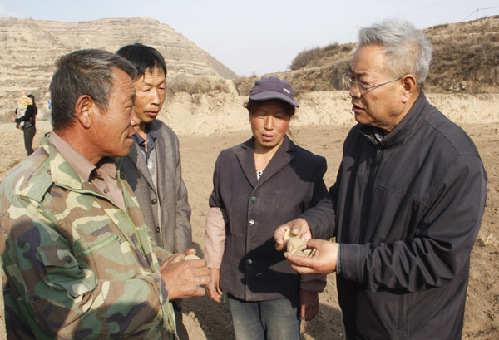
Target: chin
360,119
125,150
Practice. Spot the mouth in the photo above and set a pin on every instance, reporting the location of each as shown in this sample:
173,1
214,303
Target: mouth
268,137
152,113
357,109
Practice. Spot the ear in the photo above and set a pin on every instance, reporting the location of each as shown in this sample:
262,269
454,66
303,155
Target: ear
410,86
83,110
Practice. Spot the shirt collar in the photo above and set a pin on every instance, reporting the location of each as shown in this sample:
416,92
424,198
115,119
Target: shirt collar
151,136
81,165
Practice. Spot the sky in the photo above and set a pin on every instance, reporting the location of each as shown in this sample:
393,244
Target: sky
259,36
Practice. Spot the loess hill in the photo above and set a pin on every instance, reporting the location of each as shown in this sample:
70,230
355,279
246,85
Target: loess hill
465,57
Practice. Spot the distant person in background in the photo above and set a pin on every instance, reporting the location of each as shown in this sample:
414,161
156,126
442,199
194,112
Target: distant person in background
152,168
408,200
27,122
20,109
259,185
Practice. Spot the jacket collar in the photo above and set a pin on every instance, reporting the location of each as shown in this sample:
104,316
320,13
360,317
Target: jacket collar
61,171
136,157
283,156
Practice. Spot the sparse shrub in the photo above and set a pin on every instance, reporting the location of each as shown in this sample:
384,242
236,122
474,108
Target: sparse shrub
313,56
197,85
336,78
305,57
331,47
347,48
244,84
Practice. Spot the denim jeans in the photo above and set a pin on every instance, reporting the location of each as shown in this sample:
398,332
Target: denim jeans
270,320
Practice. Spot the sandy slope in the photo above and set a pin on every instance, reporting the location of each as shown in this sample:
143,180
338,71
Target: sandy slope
213,124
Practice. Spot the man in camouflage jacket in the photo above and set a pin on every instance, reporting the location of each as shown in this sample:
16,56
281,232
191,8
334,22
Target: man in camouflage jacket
77,260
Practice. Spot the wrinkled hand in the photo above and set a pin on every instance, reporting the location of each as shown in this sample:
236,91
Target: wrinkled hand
184,279
214,290
324,260
309,305
297,226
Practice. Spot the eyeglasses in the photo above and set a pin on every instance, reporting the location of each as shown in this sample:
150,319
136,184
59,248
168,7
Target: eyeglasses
363,87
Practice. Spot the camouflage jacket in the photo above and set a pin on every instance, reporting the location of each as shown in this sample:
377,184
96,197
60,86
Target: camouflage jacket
74,264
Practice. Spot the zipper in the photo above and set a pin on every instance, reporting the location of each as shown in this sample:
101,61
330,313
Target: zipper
379,156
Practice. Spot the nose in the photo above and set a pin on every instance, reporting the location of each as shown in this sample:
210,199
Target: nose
353,90
156,97
269,122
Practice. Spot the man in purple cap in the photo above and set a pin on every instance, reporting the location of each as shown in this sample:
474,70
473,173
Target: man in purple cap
259,185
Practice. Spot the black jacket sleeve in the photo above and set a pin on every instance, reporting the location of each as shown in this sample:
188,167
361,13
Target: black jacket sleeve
443,245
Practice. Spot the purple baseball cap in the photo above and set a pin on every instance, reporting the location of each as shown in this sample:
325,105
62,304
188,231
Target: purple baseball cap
273,88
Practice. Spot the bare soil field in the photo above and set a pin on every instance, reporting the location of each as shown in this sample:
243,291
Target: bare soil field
206,319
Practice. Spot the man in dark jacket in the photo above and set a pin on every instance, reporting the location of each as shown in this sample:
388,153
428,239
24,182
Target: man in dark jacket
408,200
152,168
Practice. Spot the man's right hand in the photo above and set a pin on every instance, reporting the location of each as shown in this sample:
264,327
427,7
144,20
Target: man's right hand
324,261
184,279
297,226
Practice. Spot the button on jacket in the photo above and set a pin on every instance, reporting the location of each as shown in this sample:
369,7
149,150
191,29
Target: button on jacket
292,182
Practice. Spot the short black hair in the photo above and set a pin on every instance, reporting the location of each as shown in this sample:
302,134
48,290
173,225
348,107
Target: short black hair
84,72
142,57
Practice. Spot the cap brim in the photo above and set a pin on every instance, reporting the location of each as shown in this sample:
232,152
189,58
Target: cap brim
267,95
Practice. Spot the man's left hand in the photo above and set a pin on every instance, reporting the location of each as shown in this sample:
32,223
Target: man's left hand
309,305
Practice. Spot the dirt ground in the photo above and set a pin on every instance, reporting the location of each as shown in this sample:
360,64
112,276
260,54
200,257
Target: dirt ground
206,319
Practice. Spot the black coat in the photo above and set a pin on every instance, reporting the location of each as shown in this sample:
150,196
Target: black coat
408,209
292,182
29,117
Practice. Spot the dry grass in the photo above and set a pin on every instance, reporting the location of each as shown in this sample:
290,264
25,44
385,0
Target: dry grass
465,59
198,85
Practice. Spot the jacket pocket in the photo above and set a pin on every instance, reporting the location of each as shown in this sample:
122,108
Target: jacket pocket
63,272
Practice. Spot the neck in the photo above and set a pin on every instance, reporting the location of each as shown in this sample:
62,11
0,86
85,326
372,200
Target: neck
80,143
407,107
263,155
141,129
263,150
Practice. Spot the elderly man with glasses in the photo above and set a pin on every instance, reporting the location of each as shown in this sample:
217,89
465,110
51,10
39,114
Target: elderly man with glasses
408,200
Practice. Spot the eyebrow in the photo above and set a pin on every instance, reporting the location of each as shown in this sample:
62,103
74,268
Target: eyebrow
151,84
357,74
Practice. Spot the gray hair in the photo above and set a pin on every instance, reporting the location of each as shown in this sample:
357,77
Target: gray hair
407,49
84,72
